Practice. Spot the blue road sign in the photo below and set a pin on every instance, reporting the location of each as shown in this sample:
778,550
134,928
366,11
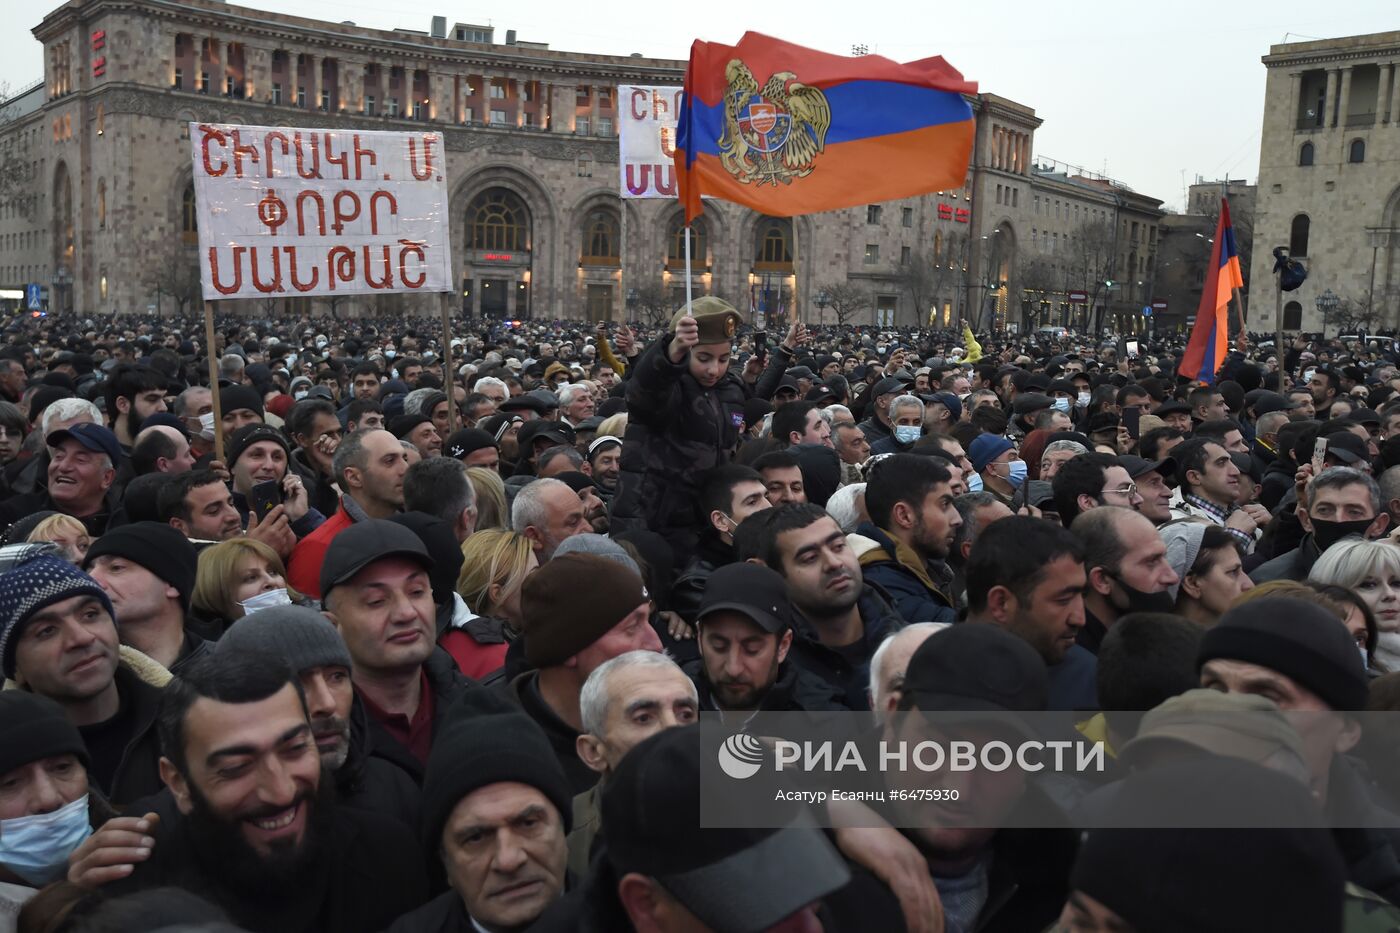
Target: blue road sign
33,297
1146,310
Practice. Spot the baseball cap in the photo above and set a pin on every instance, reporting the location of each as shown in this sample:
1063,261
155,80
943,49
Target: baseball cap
1347,447
552,430
91,436
751,590
734,880
467,440
525,402
949,401
362,544
1140,466
1028,402
820,393
887,386
1236,725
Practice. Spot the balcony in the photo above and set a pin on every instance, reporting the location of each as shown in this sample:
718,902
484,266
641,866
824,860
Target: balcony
1361,119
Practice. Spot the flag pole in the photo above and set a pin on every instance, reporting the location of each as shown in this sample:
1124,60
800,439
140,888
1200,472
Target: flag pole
214,380
687,266
796,274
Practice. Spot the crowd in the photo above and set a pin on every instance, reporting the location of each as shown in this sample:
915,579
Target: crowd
376,630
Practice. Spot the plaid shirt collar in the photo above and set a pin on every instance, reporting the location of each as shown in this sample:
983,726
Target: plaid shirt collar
1210,508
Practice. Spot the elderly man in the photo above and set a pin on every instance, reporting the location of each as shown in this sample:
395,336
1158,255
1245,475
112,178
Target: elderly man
891,660
496,809
161,448
546,511
576,403
1125,561
82,468
567,638
623,702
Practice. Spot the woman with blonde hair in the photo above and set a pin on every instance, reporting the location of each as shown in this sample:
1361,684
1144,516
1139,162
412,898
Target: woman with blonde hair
495,563
614,425
66,532
230,575
1370,569
491,508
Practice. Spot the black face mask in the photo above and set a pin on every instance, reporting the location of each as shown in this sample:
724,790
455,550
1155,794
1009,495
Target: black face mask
1138,601
1327,533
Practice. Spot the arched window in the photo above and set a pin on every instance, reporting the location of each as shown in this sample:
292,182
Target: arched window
497,219
773,243
1293,316
1298,236
102,204
1357,151
938,247
600,238
1305,154
675,244
189,216
63,214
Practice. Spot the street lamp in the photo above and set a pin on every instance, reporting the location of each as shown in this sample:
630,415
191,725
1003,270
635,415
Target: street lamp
1327,302
823,300
62,280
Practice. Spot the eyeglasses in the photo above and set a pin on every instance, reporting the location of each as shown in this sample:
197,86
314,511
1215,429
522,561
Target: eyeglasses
1129,490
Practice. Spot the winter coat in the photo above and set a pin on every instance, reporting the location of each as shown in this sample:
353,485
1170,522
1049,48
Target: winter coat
1279,479
369,783
1291,565
443,914
686,592
447,683
796,690
849,681
320,489
903,578
140,682
524,692
676,429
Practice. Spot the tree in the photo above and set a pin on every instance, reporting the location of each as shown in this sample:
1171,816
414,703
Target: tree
652,301
846,300
922,280
1351,315
17,190
1036,280
1089,263
174,272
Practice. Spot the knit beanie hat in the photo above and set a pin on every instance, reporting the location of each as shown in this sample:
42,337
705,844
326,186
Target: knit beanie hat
250,434
403,425
572,601
236,398
1183,541
159,548
1298,640
1211,880
465,441
33,727
301,636
489,741
598,546
31,586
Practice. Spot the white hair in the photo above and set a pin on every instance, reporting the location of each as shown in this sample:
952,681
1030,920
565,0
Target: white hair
844,506
877,661
567,393
529,509
836,412
488,382
69,409
906,401
593,699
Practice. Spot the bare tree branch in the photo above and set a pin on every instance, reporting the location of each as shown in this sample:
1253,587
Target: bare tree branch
847,300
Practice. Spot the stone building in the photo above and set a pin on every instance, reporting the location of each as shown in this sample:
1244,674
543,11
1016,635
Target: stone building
1329,178
108,220
1186,241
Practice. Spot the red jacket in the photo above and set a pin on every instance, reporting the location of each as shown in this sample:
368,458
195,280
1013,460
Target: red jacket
304,569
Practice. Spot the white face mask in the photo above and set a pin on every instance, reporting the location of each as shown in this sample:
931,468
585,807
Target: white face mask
265,601
1083,400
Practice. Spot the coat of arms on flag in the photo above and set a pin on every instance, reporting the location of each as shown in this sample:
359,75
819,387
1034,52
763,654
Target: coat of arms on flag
772,134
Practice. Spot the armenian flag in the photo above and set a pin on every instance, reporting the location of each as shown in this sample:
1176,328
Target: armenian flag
1210,337
787,130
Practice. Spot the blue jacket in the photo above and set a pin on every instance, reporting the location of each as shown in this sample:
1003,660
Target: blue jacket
847,672
908,586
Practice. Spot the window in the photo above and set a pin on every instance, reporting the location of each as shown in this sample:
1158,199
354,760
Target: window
498,89
497,220
101,119
600,238
179,82
1293,316
301,96
498,117
605,126
277,94
582,126
774,241
906,217
101,203
1015,197
584,97
584,165
1035,202
369,105
937,247
531,119
532,91
1305,154
904,255
189,216
872,214
1357,151
1298,236
675,248
228,86
998,194
872,253
600,301
468,115
393,107
325,100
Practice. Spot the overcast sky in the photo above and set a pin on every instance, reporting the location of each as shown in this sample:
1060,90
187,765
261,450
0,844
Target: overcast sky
1151,93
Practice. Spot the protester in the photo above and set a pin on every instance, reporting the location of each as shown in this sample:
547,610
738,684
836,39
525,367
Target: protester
1371,570
728,495
1209,570
1126,563
546,511
233,578
1339,502
913,523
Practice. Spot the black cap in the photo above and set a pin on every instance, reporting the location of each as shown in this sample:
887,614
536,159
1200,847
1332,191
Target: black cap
1102,421
977,668
734,880
555,431
402,425
801,372
751,590
238,398
889,386
466,441
1366,416
250,434
34,727
820,394
1172,407
1348,448
1139,466
786,383
1028,402
525,402
362,544
575,480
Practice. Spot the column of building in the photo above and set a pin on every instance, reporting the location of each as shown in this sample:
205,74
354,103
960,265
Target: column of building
1344,106
1330,104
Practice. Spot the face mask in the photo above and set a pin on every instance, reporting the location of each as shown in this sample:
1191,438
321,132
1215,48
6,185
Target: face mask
906,433
974,482
206,422
1016,473
320,345
1083,400
37,847
300,394
291,362
1327,533
1061,404
266,601
390,353
1308,374
1138,601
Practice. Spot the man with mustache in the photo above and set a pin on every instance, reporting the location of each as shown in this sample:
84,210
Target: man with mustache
318,656
259,832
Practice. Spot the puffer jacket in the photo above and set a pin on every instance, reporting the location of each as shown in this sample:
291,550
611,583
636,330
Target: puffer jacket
676,429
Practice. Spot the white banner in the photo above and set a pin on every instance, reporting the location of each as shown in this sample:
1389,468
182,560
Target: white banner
647,140
285,212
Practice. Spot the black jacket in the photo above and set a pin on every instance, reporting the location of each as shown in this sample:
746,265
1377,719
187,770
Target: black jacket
138,773
676,429
1290,565
524,691
711,554
320,492
849,680
447,683
17,507
371,871
369,783
1279,478
795,691
443,914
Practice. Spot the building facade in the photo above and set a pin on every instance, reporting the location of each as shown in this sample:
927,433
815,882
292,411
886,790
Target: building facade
1186,241
107,221
1329,180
